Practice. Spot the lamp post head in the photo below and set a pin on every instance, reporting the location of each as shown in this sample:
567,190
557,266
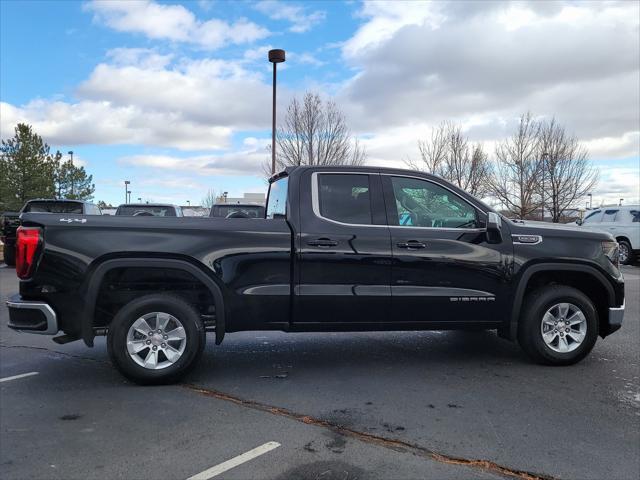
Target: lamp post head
127,182
277,55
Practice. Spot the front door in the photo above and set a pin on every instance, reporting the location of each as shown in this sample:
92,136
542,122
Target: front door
344,252
444,271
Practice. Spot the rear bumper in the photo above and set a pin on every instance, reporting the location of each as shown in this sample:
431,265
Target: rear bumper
31,316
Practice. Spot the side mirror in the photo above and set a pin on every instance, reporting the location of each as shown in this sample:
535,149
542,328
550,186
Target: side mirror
579,221
494,228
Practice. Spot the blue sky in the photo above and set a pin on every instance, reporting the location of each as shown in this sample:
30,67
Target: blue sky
175,96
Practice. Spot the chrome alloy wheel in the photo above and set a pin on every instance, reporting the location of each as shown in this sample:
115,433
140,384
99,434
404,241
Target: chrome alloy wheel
563,327
158,346
623,253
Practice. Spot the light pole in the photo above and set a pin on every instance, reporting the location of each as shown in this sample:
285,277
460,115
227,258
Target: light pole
545,156
126,191
275,56
189,202
139,199
70,152
590,195
224,196
620,204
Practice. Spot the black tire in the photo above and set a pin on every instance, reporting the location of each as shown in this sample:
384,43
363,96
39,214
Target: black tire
534,308
124,319
629,258
9,252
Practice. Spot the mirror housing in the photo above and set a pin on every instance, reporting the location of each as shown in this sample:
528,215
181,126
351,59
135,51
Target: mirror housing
494,228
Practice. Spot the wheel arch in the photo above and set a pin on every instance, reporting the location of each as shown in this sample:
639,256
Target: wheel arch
589,275
98,271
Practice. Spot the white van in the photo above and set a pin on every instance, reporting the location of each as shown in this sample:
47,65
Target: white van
622,222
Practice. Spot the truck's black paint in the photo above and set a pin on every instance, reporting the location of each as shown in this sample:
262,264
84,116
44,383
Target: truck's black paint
305,273
10,221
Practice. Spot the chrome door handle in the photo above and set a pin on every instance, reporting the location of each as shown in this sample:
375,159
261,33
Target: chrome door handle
322,242
412,245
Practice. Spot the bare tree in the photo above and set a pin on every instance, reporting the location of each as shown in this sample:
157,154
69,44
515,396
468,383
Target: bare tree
315,132
567,175
449,155
210,199
516,176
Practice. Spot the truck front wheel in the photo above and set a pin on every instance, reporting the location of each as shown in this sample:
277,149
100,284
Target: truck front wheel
156,339
558,326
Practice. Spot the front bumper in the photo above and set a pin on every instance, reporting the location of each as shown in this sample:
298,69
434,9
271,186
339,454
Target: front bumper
616,315
32,316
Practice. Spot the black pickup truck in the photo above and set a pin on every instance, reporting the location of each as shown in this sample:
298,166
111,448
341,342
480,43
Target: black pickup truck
11,220
339,249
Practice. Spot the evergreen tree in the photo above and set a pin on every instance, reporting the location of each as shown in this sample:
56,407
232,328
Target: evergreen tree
70,181
26,169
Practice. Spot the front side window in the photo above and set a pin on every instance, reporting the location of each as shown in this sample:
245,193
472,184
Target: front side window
635,216
593,217
420,203
345,198
277,200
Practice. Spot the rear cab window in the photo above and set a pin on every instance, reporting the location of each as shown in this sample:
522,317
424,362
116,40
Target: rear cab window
146,210
54,207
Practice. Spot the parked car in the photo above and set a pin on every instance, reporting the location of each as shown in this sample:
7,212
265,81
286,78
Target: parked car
149,210
11,220
340,249
623,223
237,210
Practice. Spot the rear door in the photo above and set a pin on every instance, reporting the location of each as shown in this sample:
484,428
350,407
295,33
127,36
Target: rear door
444,271
344,250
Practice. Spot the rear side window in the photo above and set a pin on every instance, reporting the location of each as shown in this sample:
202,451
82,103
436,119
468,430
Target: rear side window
345,198
609,215
635,216
277,200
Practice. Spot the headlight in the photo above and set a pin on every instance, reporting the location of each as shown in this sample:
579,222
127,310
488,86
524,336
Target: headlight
610,249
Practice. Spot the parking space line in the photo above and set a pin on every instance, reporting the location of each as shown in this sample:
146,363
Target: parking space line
235,461
15,377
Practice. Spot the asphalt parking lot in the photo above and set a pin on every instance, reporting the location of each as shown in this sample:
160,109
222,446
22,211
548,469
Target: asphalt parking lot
325,406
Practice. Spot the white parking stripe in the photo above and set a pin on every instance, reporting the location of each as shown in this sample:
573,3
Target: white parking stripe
235,461
15,377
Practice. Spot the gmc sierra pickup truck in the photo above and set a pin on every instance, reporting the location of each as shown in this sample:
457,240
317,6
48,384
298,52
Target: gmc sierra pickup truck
339,249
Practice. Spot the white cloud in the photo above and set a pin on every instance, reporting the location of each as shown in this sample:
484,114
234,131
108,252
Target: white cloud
141,97
301,21
422,63
172,22
249,161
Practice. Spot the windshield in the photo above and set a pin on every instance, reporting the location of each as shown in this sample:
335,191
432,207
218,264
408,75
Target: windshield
277,200
53,207
250,211
147,210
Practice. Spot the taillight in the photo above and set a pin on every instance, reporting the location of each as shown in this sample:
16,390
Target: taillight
27,243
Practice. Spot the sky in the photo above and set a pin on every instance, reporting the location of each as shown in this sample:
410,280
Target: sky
176,96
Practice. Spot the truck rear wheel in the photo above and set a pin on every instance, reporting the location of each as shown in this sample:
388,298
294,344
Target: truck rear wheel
156,339
9,253
558,326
